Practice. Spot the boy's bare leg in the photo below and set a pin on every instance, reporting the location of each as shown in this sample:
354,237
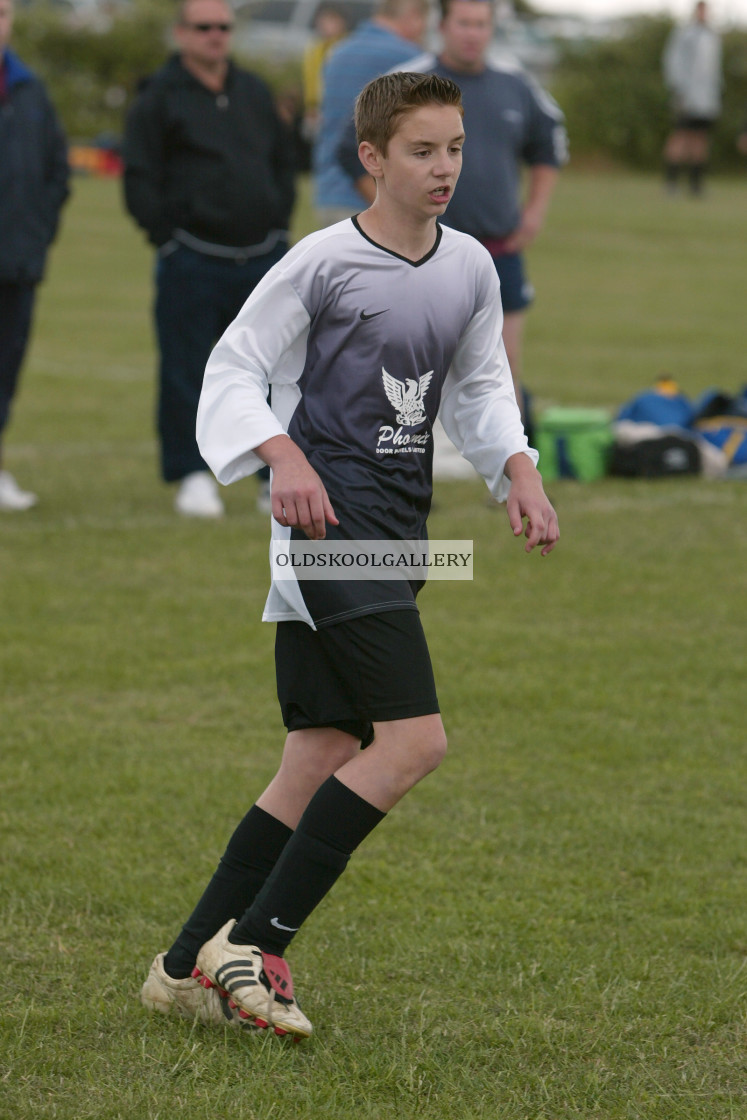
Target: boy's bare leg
339,816
309,757
335,794
345,807
402,753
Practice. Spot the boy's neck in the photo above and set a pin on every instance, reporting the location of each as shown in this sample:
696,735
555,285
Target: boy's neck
412,240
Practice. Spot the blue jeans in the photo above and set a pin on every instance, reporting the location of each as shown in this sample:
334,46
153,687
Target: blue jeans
16,308
197,297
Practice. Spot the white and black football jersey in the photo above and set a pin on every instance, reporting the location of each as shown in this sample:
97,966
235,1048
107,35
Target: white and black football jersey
361,349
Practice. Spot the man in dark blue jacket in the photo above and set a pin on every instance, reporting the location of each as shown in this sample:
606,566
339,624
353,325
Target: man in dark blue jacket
33,186
209,176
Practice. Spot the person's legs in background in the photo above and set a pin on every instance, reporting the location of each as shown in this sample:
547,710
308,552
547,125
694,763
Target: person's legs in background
16,310
686,151
188,322
517,295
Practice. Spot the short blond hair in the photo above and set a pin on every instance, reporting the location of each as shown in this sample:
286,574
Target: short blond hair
381,104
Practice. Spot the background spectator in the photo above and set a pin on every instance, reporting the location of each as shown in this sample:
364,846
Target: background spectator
330,26
377,45
209,175
692,73
33,187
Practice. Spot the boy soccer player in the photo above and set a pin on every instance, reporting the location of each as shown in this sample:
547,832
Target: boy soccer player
389,294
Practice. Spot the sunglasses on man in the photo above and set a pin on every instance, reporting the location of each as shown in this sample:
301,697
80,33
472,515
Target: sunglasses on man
205,27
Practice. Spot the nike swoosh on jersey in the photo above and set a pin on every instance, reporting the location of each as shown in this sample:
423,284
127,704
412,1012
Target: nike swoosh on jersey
289,929
373,314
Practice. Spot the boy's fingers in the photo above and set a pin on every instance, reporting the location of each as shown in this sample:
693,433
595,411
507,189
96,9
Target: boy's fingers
329,513
542,529
278,512
533,533
317,523
305,507
514,517
548,535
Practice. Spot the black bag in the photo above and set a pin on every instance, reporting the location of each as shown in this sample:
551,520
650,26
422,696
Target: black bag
656,458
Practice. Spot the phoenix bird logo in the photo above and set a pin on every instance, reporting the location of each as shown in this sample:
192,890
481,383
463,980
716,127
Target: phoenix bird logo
406,397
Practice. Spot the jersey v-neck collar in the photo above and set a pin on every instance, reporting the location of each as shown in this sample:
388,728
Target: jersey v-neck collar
415,264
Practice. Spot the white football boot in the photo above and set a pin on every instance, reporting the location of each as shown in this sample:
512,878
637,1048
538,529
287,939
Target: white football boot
188,999
258,984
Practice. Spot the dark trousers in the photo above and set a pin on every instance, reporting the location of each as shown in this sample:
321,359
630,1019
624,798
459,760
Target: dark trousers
16,309
197,297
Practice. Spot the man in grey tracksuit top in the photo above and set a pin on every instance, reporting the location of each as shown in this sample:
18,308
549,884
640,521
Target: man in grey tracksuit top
692,74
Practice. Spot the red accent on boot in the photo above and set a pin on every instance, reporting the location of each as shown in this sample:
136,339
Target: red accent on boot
278,973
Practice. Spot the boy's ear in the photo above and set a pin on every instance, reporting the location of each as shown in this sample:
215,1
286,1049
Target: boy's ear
370,157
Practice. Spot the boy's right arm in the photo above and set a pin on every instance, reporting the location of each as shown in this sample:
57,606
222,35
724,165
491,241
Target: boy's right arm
237,431
266,344
299,499
527,501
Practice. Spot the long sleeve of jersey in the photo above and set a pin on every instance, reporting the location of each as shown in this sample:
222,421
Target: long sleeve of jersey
265,345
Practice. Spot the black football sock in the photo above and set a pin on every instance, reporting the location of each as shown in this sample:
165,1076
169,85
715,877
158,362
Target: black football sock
336,821
671,174
251,854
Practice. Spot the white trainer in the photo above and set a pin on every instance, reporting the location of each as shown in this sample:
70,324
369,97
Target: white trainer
188,999
198,496
12,497
258,984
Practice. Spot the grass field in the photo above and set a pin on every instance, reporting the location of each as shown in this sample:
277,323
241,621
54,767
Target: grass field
554,924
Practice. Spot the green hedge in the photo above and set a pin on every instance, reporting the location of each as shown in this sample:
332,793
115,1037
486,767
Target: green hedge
616,104
612,92
92,74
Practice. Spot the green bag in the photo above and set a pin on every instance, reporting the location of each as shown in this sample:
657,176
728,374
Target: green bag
574,443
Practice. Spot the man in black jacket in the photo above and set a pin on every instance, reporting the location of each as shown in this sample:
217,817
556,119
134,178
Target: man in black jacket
33,187
209,175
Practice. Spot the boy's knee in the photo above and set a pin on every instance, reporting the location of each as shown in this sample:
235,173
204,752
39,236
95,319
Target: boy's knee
433,750
315,753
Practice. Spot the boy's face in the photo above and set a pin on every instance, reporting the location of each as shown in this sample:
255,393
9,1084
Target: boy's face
423,161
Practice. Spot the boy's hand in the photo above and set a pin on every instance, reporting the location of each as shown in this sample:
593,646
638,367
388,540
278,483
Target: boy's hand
527,499
299,498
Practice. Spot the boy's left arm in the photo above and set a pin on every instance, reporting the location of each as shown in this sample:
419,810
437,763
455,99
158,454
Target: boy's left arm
481,417
527,500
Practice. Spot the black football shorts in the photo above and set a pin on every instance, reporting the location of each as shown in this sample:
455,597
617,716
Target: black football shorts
356,673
